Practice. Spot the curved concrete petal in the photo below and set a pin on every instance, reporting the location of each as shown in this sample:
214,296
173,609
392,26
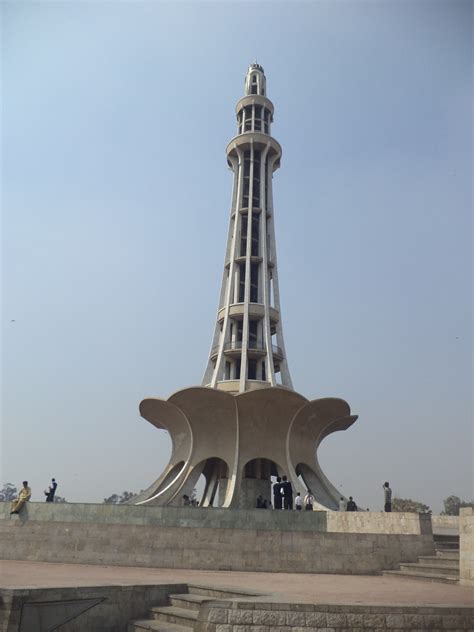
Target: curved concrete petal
264,417
165,415
213,418
309,427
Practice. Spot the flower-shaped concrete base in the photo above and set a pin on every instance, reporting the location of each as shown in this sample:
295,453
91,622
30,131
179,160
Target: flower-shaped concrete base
238,442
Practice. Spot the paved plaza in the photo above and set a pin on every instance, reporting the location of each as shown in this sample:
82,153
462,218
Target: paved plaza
302,588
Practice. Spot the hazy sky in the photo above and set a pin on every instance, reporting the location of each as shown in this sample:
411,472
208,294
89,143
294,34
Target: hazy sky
115,206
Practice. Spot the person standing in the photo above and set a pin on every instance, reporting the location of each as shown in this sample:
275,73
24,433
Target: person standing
51,491
351,506
298,502
342,504
287,493
23,497
387,496
308,501
277,496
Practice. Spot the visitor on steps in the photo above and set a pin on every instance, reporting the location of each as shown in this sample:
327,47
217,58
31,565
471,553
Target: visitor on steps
387,496
23,497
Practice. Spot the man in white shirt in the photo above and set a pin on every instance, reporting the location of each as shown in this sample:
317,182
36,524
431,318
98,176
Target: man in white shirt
298,502
342,504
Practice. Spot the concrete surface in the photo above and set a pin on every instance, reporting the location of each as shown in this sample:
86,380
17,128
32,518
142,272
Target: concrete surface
328,589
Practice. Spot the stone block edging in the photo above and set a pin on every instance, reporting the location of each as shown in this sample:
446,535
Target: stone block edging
247,616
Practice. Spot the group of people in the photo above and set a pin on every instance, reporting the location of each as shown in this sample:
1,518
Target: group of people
190,501
283,497
351,504
25,495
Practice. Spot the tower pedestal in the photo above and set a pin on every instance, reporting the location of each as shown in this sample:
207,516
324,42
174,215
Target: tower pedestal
239,442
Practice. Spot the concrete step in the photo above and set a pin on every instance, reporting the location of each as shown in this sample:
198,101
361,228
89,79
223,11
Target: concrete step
449,554
446,542
172,614
431,569
442,578
219,593
440,560
189,601
151,625
447,546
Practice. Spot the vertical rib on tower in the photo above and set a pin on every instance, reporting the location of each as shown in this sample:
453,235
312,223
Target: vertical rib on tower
248,350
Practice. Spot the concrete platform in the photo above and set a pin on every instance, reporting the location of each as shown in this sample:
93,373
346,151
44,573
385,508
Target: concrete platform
296,588
353,543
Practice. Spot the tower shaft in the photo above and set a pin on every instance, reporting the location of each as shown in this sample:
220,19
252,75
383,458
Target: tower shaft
248,350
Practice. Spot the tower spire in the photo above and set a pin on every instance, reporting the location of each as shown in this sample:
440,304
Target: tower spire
248,350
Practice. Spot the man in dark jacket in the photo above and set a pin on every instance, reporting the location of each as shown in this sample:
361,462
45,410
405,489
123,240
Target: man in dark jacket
351,506
277,497
287,493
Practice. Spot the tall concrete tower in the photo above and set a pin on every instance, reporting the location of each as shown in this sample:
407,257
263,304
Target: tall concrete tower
248,351
245,424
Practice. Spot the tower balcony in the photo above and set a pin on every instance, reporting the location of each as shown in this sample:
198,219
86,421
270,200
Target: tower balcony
258,140
254,99
243,259
256,310
254,350
253,259
256,210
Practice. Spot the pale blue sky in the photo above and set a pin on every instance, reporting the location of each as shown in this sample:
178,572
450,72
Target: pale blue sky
115,202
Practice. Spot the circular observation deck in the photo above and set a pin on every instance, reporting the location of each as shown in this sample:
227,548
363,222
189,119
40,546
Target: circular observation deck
254,99
256,139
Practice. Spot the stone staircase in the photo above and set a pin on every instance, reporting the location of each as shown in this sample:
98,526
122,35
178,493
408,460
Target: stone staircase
181,613
442,567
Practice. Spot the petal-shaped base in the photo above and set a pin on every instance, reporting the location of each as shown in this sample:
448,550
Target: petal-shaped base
238,442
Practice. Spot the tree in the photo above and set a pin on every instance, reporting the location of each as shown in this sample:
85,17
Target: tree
452,505
8,493
407,504
115,499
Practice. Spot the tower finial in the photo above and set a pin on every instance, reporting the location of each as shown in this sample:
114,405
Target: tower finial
255,81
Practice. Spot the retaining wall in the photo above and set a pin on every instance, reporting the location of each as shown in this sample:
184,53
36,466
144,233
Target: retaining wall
445,525
466,547
236,616
119,604
214,539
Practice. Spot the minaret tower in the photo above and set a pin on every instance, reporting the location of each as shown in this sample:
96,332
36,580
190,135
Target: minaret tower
245,425
248,351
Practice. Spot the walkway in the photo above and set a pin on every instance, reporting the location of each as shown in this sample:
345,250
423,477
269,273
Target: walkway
318,589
